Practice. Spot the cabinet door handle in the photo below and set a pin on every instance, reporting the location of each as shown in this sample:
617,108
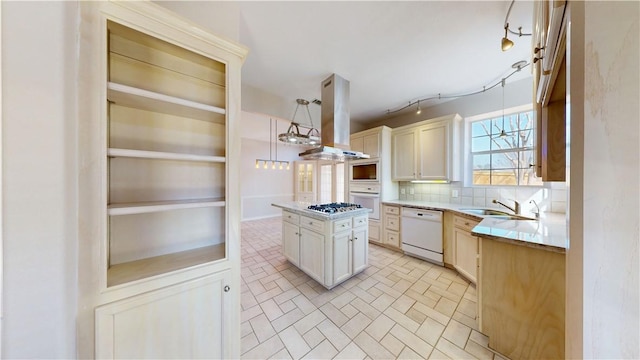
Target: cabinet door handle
226,288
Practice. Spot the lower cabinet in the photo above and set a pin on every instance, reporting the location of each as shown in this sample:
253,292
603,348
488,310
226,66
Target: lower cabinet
374,232
312,259
329,251
184,321
391,232
521,300
465,257
291,240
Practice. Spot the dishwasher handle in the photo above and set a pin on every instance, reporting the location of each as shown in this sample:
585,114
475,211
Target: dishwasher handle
422,214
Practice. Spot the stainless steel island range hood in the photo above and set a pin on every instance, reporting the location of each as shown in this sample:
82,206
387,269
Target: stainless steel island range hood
334,111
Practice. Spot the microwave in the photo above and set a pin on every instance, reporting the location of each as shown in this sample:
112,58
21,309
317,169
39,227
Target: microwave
364,171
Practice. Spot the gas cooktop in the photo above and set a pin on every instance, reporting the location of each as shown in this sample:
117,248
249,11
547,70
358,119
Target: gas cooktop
333,208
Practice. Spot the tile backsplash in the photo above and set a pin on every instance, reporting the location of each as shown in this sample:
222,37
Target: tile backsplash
552,197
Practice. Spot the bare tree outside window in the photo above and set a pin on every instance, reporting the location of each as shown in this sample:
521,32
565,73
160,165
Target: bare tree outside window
502,149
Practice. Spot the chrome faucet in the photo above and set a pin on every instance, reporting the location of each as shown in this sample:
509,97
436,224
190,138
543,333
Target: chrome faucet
537,213
515,209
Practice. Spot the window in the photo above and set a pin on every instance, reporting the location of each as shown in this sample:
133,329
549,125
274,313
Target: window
503,158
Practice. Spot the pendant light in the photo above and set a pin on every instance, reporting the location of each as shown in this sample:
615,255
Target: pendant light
275,163
293,135
503,134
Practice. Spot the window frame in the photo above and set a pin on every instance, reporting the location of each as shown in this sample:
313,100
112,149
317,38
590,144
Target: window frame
468,154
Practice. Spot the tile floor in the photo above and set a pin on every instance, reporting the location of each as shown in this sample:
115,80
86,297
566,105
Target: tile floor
399,307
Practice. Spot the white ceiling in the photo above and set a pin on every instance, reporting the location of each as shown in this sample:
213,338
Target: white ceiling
392,52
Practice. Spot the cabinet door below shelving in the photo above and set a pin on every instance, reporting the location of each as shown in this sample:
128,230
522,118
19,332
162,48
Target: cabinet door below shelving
145,326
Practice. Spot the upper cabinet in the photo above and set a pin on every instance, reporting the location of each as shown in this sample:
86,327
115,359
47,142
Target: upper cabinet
427,151
367,142
549,88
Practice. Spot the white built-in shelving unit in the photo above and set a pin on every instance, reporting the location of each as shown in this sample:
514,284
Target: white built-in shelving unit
159,185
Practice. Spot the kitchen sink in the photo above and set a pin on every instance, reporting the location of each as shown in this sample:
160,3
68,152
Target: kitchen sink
485,212
496,214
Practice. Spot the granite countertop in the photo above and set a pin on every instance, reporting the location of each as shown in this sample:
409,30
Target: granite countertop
301,208
548,232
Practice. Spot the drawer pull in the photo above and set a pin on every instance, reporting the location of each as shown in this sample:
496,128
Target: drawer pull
226,288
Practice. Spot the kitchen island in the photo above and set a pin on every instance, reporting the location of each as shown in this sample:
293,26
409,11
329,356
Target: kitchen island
329,247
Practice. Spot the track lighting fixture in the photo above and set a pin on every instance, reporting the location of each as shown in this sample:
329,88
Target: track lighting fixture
507,44
516,68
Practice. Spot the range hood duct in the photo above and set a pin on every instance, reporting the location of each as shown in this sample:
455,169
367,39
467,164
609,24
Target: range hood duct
334,112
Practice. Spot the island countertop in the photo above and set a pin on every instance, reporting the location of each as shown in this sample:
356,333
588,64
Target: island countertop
301,208
548,232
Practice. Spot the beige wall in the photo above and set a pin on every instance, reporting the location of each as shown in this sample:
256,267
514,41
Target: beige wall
603,306
39,179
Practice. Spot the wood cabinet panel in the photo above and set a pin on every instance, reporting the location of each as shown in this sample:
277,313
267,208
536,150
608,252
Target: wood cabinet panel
522,300
465,248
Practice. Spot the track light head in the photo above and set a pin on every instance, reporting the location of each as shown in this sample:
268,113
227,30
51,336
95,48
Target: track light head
506,43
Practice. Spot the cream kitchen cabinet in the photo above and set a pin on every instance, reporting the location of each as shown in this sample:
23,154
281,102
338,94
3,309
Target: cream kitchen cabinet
291,237
330,251
305,175
428,150
465,248
368,142
186,321
404,152
312,254
349,250
374,232
158,181
391,232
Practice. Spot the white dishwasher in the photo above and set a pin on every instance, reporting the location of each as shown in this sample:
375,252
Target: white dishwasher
421,233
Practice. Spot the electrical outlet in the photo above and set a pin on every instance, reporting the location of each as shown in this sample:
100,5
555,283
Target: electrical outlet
454,193
403,191
411,191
